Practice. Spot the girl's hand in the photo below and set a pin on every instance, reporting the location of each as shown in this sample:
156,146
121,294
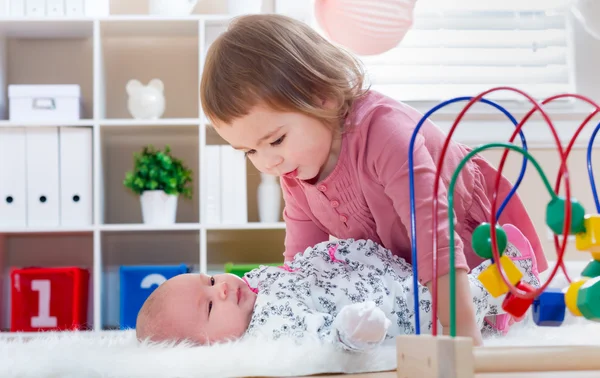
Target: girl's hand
466,324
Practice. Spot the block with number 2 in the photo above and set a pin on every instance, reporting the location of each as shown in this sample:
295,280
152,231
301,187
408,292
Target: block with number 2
49,299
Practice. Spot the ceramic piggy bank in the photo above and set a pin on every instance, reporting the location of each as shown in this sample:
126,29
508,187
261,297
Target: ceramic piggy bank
146,101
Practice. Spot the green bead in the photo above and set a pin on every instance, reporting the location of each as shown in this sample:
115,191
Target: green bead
592,269
482,240
588,299
555,216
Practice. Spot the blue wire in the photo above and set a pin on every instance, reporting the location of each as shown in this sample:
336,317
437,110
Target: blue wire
413,226
589,166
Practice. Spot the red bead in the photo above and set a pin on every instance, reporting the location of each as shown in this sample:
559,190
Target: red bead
517,306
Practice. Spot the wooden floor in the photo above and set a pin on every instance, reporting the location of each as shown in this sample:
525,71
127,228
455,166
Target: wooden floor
558,374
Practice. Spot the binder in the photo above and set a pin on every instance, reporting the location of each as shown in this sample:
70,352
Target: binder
75,176
42,176
13,195
234,203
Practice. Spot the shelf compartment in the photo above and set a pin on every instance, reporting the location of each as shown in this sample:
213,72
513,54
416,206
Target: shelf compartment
46,27
150,122
47,250
48,61
121,206
148,27
141,248
145,50
249,246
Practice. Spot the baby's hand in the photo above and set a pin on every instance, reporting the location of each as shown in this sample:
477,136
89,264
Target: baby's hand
361,325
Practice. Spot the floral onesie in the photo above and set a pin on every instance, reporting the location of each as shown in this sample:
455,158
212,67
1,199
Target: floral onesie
303,297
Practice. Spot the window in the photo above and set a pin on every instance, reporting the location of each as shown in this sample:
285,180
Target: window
464,47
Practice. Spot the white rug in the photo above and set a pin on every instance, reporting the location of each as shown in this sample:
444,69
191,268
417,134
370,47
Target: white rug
117,354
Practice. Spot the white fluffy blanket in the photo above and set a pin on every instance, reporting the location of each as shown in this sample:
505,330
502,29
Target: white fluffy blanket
117,354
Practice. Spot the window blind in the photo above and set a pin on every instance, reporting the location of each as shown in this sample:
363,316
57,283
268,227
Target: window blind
464,47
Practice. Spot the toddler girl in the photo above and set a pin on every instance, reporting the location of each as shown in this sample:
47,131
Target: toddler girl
296,105
353,293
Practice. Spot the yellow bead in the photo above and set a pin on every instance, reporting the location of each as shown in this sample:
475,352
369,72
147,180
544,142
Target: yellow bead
589,240
571,293
492,281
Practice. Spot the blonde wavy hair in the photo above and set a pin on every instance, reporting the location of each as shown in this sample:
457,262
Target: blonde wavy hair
282,63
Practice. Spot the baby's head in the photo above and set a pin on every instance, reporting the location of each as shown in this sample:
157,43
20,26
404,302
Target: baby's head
270,77
198,308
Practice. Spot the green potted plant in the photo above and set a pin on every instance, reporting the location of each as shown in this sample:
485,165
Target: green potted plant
159,179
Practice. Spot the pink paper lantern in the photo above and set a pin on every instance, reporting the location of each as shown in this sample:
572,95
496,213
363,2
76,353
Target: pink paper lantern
366,27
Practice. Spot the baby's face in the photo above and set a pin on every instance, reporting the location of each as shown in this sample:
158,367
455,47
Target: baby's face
207,309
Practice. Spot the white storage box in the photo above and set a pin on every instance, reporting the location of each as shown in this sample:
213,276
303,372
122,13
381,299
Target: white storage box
32,103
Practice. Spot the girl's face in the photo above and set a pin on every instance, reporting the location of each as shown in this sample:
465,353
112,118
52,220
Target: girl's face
284,143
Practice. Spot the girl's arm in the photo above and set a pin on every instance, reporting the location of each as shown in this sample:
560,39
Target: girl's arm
466,323
388,146
301,231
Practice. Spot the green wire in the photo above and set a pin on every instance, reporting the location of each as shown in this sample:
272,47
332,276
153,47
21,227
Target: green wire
451,214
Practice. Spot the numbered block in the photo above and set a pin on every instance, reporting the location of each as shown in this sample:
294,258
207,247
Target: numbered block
49,299
137,283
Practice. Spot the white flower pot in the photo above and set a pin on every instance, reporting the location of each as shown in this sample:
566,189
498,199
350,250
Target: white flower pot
158,207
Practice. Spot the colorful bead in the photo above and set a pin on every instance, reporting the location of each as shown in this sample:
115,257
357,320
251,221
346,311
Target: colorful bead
589,239
482,240
588,300
592,269
555,216
492,281
515,305
549,308
571,294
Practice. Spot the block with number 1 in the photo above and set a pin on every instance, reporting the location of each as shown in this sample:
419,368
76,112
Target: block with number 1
49,299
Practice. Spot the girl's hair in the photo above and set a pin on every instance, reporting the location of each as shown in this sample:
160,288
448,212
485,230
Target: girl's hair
279,62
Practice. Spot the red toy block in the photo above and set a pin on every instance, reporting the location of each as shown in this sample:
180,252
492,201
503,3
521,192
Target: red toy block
517,306
49,299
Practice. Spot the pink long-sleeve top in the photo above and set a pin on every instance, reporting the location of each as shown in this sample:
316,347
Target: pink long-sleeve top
367,194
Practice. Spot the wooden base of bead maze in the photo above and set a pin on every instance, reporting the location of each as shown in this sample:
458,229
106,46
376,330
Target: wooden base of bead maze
426,356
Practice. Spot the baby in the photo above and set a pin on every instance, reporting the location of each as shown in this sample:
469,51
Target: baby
353,293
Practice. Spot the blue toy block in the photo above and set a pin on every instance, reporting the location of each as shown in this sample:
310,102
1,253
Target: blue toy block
549,308
137,283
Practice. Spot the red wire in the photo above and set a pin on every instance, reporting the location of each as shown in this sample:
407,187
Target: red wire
493,233
560,173
563,171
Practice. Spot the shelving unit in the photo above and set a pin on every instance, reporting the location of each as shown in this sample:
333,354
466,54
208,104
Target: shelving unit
101,54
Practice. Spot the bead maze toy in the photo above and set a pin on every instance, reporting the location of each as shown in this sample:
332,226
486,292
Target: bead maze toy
428,356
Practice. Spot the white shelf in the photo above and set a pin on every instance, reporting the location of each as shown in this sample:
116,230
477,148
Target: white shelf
111,26
146,227
144,26
103,53
83,122
47,27
45,230
151,122
247,226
